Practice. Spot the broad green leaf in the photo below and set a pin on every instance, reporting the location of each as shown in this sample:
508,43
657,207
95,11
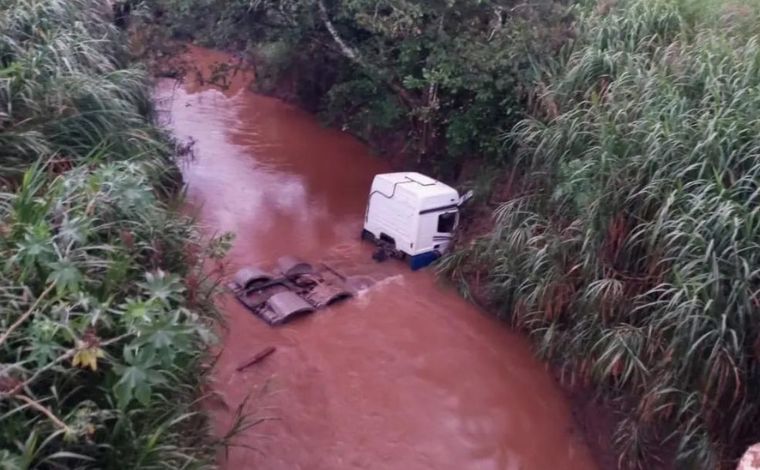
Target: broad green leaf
66,276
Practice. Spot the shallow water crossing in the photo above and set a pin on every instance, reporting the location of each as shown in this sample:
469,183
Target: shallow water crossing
405,376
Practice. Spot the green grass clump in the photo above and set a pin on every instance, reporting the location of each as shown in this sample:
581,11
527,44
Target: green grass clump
105,314
633,256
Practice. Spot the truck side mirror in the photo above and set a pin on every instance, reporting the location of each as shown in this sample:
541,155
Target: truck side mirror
466,197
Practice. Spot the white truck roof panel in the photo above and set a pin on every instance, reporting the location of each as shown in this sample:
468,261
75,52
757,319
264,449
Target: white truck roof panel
428,192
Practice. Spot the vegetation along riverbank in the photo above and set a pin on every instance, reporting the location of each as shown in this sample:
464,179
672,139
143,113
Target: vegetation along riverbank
615,143
105,313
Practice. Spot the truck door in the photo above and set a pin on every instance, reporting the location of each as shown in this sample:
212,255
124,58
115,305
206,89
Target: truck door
445,225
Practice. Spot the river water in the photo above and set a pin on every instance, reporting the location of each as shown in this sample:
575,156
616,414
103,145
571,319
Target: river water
406,376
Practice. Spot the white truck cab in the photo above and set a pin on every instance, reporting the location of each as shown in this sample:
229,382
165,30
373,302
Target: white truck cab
413,214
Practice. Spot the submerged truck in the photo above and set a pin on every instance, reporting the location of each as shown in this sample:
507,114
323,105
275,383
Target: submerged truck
409,216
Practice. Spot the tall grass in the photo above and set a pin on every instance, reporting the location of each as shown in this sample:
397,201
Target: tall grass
104,311
64,87
633,256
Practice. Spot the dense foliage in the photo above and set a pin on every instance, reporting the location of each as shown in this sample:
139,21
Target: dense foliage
104,314
443,78
633,254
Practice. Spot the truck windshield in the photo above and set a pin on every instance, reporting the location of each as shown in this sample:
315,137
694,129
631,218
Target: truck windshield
446,222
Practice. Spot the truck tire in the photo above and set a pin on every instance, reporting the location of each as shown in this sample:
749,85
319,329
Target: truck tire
367,235
380,255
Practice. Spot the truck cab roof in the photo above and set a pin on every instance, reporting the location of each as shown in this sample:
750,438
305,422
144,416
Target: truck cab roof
428,194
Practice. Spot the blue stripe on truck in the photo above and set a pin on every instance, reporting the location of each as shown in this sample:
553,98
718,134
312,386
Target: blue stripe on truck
423,259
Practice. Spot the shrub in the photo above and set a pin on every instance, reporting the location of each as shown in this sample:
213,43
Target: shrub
105,313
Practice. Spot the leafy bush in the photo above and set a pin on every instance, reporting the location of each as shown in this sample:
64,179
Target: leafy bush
105,313
632,256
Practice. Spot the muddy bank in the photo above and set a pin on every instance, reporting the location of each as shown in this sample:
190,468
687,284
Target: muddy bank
408,375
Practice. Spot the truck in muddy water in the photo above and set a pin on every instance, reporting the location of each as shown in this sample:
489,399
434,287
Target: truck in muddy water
411,217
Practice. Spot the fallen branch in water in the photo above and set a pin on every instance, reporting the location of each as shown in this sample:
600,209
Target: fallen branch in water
263,354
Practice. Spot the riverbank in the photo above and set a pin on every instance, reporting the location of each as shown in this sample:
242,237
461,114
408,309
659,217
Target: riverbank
106,312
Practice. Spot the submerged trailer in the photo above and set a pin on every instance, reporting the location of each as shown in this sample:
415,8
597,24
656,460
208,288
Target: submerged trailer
294,288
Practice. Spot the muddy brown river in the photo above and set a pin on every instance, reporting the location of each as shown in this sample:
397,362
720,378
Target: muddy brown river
407,375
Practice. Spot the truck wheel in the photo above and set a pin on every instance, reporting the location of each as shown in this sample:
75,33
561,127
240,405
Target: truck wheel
380,255
367,235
